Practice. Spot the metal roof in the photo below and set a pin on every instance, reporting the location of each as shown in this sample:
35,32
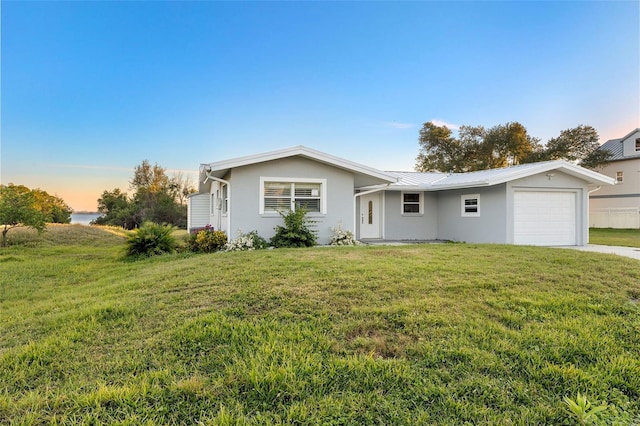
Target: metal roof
410,180
616,148
442,181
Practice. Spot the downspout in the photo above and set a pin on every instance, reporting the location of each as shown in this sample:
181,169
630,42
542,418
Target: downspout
355,198
224,182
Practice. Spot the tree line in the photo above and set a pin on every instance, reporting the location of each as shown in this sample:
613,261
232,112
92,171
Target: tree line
157,197
478,148
160,198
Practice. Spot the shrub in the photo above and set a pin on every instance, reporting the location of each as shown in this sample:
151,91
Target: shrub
207,240
250,241
151,239
296,231
342,237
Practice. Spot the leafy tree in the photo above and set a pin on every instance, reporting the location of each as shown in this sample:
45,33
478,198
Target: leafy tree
507,144
439,150
579,145
54,208
157,197
18,207
477,148
117,210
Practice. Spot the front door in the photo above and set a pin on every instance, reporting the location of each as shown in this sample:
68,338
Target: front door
370,216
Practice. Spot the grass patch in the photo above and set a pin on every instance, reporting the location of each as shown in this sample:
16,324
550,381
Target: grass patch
615,237
424,334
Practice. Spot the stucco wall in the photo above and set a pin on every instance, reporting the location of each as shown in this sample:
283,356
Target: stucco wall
489,227
410,227
625,194
246,193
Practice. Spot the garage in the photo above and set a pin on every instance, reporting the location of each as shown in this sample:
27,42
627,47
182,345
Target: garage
544,218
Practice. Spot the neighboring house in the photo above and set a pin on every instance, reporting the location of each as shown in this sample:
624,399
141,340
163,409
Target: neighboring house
538,204
619,206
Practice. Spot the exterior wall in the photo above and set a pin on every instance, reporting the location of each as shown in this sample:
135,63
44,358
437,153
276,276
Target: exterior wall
198,211
618,206
489,227
629,145
557,182
246,196
398,226
217,218
621,195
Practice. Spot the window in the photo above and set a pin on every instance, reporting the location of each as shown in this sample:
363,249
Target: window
619,177
289,194
411,203
637,144
470,205
225,199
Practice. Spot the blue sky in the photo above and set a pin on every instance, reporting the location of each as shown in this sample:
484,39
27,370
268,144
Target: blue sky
90,89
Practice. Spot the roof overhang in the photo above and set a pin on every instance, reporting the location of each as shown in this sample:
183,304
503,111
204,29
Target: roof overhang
491,177
509,174
221,168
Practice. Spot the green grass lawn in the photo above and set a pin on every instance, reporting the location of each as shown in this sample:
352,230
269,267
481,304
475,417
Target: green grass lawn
615,237
444,334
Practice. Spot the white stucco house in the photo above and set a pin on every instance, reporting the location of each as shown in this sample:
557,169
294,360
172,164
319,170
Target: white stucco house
619,206
536,204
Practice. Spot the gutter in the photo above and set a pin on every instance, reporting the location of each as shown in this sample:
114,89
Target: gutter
224,182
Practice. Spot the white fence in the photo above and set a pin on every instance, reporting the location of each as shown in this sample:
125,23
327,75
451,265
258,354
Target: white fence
626,218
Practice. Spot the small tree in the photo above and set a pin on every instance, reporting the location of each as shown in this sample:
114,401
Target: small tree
296,231
19,208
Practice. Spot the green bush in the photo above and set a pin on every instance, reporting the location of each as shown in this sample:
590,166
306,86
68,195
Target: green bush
296,231
151,239
207,240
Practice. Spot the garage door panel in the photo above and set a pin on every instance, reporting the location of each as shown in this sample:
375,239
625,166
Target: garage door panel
544,218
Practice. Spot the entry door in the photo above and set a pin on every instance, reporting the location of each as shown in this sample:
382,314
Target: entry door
370,220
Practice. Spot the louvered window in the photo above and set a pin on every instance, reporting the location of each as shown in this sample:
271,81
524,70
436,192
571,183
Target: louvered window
283,196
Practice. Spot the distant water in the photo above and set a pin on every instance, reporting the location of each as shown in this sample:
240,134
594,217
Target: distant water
83,218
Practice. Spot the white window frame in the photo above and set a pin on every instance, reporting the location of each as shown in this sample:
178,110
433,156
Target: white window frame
420,203
463,200
323,192
619,177
637,144
225,199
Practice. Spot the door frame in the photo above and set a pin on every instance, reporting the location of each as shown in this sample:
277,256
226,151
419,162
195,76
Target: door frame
578,215
364,201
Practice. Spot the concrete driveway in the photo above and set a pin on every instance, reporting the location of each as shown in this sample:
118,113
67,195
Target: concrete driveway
632,252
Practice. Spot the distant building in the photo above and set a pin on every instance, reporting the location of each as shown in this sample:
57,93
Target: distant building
618,206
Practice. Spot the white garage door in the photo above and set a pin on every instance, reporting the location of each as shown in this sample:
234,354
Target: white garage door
544,218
